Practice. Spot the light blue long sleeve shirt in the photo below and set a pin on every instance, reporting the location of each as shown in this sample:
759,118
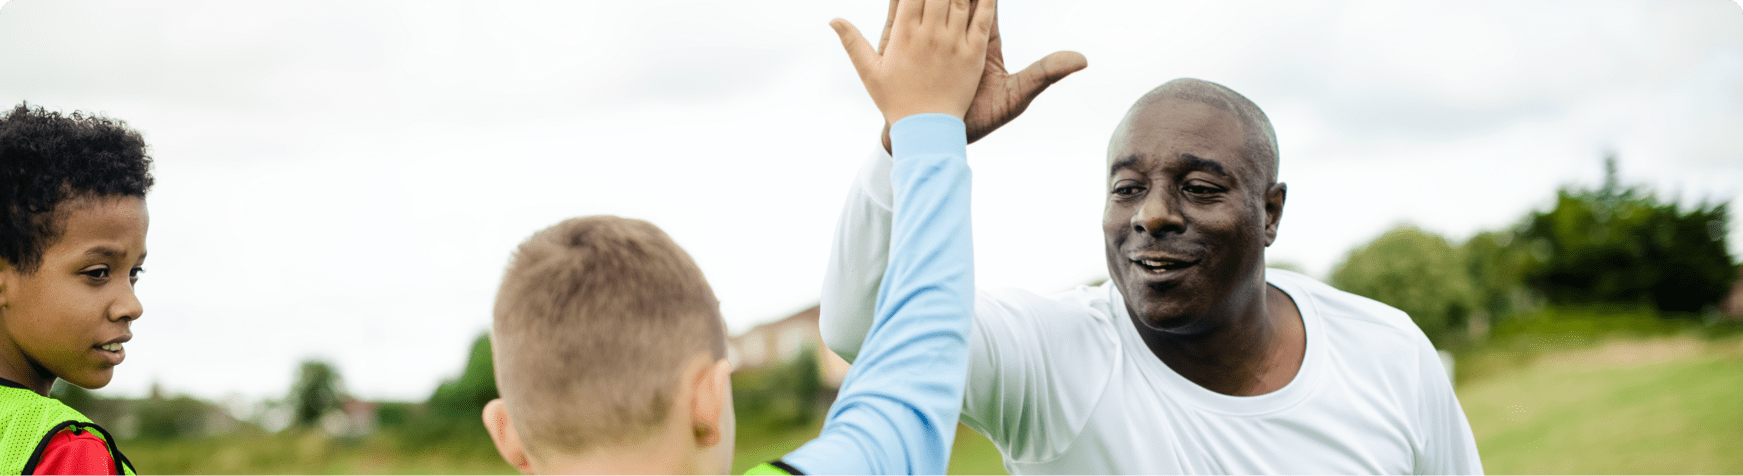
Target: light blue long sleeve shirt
897,410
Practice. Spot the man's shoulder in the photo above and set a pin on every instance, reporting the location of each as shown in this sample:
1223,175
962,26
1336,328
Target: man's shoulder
1076,322
1346,312
1085,305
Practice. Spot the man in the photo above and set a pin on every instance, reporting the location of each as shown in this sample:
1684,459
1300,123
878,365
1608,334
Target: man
1194,358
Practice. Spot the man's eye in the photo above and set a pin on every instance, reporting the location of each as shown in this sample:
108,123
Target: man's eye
1199,190
1128,190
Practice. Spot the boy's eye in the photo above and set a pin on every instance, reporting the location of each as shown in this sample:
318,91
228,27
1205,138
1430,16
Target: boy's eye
98,273
133,274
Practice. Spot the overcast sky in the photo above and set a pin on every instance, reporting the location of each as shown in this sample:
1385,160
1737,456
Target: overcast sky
345,179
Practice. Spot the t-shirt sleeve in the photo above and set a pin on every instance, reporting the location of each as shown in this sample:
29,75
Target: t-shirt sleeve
897,410
76,452
1447,445
857,258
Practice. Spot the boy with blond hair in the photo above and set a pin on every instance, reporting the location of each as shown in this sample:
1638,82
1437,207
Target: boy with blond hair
608,342
72,241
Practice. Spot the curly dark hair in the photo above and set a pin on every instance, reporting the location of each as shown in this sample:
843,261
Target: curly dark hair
46,159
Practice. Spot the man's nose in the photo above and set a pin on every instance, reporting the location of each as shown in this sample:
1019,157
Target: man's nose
1158,214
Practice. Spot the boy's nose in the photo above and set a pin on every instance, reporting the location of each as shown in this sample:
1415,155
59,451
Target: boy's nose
127,307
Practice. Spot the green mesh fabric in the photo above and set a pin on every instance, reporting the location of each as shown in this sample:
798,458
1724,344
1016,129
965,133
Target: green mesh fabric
766,469
26,418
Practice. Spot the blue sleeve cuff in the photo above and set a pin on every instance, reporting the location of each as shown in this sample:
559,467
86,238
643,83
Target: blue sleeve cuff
927,134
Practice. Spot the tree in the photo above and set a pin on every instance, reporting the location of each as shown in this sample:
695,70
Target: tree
476,386
1496,264
1619,245
1418,273
451,416
316,392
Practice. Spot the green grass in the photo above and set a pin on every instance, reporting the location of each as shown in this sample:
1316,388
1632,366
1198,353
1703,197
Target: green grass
1667,405
972,453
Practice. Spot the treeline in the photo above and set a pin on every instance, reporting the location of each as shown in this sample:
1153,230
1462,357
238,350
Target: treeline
1617,248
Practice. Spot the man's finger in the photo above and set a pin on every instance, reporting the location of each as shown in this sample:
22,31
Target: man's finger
858,51
1048,70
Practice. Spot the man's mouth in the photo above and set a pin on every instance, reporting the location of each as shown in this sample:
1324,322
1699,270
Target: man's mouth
1160,264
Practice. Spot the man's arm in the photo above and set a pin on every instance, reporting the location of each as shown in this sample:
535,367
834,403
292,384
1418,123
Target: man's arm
1448,447
862,237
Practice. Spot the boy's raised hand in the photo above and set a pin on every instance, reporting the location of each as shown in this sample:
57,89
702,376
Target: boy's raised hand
1003,95
933,61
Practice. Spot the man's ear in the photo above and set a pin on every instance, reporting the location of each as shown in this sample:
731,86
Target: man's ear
1274,198
708,406
502,433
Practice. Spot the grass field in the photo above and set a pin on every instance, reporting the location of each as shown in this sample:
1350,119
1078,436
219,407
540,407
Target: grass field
1667,404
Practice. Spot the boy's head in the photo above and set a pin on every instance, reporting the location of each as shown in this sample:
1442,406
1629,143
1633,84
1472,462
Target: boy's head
609,346
72,240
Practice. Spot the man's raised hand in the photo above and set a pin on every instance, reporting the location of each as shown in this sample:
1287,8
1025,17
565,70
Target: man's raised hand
932,61
1002,95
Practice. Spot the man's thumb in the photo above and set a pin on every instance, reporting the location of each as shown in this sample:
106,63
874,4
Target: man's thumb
1048,70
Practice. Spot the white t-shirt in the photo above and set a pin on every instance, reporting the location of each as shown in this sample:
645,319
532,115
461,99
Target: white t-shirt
1064,384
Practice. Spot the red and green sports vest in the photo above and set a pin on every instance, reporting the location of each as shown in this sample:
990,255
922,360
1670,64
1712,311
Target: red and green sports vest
773,468
28,420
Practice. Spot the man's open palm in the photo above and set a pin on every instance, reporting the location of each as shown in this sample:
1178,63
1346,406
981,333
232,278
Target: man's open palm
1003,95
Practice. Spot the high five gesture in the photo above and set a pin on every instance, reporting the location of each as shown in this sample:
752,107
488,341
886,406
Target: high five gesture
933,60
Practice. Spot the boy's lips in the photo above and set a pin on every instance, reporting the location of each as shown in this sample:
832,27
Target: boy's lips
112,351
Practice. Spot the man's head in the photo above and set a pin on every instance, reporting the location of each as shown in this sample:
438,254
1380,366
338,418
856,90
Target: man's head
72,240
1192,203
608,340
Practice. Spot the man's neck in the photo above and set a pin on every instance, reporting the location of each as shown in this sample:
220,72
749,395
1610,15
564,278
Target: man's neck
1256,348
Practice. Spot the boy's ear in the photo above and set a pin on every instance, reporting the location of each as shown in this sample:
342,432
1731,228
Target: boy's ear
709,406
7,273
502,433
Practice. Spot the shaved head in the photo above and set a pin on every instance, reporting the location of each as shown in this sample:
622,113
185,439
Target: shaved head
1260,144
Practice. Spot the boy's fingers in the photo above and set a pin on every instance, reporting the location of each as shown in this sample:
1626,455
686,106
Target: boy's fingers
889,21
984,14
958,15
937,14
907,14
858,51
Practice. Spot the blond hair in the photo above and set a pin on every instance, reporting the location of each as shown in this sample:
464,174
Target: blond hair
593,321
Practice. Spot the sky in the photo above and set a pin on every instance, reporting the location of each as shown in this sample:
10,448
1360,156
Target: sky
345,180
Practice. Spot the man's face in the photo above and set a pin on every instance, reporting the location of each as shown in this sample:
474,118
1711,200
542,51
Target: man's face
68,318
1186,221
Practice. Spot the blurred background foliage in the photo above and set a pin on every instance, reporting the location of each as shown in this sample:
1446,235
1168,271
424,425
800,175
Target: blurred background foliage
1615,247
1590,338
